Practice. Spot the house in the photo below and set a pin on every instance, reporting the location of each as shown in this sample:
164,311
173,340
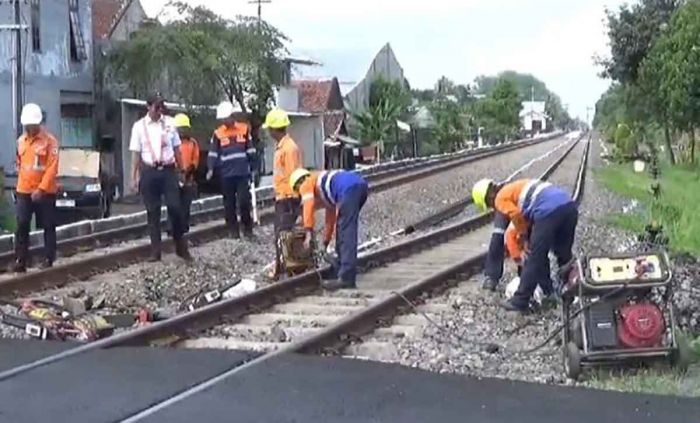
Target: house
116,20
533,116
57,71
384,64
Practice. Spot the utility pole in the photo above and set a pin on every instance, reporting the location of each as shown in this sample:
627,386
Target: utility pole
588,111
17,70
260,3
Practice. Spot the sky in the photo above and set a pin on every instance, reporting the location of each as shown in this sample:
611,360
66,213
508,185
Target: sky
555,40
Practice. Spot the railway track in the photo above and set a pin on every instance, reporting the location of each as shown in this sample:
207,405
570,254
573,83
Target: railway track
354,312
95,263
380,180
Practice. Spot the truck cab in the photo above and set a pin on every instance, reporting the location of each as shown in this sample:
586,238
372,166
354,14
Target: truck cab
85,188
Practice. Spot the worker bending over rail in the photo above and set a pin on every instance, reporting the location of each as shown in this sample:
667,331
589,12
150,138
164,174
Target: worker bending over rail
232,155
552,215
342,193
37,167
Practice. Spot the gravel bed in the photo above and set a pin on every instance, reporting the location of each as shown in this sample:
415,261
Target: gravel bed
478,338
164,285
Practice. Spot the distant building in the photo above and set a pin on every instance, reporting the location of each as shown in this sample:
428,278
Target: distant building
384,64
116,20
58,71
533,116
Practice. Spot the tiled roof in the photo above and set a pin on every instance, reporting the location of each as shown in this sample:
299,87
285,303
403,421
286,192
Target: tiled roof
313,95
332,123
104,15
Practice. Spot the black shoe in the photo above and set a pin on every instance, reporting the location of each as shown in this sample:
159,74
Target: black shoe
181,250
18,267
248,233
489,285
46,264
234,234
155,255
509,306
336,284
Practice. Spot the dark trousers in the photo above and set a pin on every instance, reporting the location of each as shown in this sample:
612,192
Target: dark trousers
554,232
236,190
188,193
286,214
45,211
346,232
493,269
157,184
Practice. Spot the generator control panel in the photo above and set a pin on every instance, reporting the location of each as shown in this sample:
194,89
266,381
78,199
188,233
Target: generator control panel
640,269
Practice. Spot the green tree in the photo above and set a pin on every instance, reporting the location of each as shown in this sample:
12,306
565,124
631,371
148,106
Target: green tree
499,112
673,66
203,57
388,101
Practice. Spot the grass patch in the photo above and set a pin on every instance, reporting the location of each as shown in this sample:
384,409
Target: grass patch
677,209
649,381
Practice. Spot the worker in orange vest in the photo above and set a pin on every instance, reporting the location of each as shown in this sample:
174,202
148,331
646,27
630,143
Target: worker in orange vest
37,168
233,155
189,151
287,160
545,216
343,194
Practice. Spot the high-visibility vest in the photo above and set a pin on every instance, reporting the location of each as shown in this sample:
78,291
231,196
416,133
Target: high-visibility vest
37,163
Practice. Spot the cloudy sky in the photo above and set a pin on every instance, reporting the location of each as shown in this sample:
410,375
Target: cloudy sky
555,40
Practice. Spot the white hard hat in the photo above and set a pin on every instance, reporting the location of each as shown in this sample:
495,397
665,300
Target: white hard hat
31,114
226,109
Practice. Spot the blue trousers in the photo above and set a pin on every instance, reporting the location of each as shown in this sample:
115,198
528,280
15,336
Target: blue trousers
553,232
346,231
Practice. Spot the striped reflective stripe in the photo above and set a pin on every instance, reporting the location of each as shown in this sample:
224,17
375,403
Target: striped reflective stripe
530,193
307,197
497,231
233,156
213,154
34,168
324,186
251,151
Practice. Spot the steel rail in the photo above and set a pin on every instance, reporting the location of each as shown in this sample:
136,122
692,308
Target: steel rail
337,333
62,274
385,179
214,314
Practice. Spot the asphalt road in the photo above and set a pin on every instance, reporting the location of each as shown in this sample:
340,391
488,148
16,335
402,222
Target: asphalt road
111,385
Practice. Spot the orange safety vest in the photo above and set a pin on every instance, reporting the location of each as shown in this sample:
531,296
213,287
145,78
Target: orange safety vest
287,160
507,201
309,193
515,252
189,150
37,163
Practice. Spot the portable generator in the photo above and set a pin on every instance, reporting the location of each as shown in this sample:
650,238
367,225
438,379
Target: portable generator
618,309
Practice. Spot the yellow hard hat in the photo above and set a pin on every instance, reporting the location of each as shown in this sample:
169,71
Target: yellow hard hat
297,176
276,119
481,188
182,121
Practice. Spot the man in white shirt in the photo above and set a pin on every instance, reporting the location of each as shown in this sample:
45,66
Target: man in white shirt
155,159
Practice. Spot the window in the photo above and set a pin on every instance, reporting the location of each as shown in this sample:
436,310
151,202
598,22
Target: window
77,43
76,126
35,25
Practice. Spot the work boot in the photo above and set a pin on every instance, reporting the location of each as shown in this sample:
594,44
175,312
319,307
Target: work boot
181,249
18,267
248,233
489,284
336,284
46,263
155,254
509,306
